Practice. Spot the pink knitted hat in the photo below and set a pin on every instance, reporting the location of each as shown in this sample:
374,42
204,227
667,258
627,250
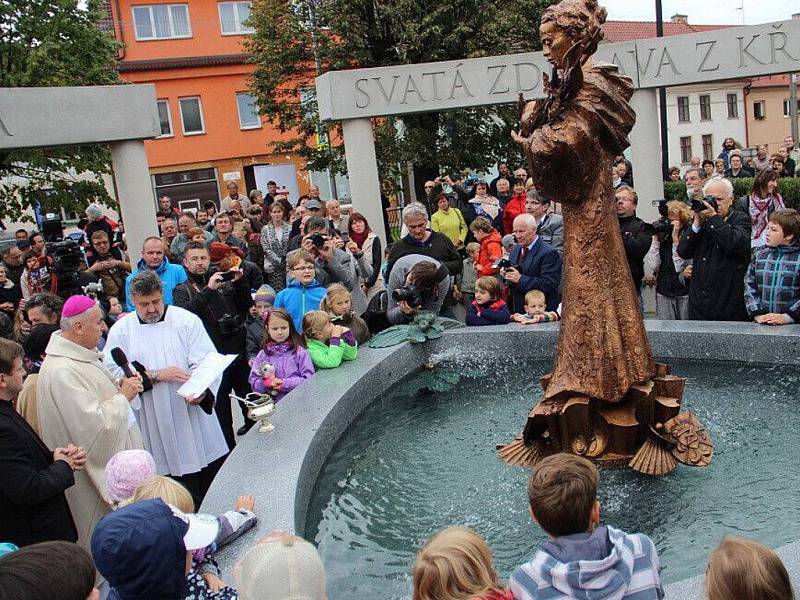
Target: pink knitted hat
76,305
126,470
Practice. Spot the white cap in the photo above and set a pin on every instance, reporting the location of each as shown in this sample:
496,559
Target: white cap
288,568
202,530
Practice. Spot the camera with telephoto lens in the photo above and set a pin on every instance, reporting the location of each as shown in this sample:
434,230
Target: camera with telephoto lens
410,294
229,325
698,206
660,227
317,239
504,263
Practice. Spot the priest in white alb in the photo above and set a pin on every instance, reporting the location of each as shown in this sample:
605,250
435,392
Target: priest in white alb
166,343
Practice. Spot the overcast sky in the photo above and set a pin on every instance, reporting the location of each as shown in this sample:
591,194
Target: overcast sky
704,12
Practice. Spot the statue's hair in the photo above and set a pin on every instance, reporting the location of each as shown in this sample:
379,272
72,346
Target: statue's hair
580,19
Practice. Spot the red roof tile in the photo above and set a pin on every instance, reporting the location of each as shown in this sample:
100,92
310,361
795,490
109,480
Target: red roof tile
623,31
770,81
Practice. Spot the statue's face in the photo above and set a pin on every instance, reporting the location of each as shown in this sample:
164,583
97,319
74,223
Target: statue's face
555,43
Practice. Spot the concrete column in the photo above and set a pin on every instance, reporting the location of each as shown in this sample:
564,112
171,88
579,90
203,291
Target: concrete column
136,201
362,171
646,153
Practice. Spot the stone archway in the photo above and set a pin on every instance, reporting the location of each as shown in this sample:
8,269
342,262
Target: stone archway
355,96
122,116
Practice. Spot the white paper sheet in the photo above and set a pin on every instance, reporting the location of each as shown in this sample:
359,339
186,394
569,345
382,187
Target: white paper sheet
207,372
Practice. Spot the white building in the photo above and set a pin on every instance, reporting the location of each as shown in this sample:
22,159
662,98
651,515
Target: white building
700,117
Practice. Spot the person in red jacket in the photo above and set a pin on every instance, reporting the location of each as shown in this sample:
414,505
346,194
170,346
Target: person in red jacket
515,206
491,246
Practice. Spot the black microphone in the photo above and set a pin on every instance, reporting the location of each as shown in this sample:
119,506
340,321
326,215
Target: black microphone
118,355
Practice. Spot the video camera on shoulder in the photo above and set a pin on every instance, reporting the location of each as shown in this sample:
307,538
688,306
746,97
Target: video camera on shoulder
698,206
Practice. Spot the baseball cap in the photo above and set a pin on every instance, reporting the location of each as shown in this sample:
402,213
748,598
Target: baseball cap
313,204
286,568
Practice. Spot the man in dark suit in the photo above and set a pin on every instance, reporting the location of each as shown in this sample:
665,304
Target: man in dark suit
537,266
33,507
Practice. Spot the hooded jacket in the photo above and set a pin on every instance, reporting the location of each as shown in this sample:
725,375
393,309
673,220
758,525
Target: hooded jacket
607,564
169,274
140,551
772,283
298,299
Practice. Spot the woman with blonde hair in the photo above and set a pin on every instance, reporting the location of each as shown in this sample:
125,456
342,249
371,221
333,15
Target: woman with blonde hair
456,564
742,569
671,272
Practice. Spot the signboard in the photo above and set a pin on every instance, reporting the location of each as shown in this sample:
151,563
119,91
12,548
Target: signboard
733,53
38,117
231,176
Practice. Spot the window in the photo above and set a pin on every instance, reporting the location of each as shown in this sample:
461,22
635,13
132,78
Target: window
787,105
248,111
232,16
705,107
164,118
683,109
686,150
708,147
733,106
760,110
191,116
161,21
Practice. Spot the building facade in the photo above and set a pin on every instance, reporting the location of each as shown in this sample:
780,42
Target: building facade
700,117
768,111
211,131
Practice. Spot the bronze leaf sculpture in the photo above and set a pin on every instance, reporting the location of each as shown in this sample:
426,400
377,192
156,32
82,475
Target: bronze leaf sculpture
607,398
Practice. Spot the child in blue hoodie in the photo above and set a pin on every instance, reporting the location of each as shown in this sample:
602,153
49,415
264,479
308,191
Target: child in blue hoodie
581,560
304,293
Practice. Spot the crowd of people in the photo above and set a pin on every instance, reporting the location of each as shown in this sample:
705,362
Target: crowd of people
107,450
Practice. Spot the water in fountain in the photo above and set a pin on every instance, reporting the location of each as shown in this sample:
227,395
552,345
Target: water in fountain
416,461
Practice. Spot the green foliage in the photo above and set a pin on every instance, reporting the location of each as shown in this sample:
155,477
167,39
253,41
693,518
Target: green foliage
51,43
789,188
291,46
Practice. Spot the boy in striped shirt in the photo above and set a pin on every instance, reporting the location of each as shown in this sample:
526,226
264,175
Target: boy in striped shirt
581,559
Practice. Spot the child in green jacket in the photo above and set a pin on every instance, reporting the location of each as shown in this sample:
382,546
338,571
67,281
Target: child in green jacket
328,344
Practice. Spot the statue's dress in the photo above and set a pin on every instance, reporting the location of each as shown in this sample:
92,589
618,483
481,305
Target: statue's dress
602,346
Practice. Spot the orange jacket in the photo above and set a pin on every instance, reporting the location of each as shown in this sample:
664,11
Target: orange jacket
514,208
491,251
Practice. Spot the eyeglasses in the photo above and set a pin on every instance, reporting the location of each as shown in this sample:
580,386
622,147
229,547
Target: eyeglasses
428,187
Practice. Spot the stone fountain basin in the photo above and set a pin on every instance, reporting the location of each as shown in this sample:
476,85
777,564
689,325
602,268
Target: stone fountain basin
281,468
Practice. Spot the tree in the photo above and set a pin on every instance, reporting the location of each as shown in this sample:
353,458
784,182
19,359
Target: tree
291,46
51,43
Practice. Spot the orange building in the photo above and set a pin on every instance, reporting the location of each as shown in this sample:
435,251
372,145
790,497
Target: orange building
211,132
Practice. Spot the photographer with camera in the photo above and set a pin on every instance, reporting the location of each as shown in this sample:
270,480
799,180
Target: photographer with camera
222,300
417,283
671,272
637,236
718,241
109,264
334,265
532,265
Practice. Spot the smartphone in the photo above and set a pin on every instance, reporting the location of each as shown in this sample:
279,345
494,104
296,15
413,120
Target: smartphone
228,276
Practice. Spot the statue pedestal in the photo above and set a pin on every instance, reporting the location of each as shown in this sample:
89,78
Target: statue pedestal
644,430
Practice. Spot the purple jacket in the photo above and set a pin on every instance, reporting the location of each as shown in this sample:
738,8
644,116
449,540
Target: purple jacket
293,367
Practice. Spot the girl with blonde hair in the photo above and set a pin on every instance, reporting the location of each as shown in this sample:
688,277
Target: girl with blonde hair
742,569
338,303
456,564
328,345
